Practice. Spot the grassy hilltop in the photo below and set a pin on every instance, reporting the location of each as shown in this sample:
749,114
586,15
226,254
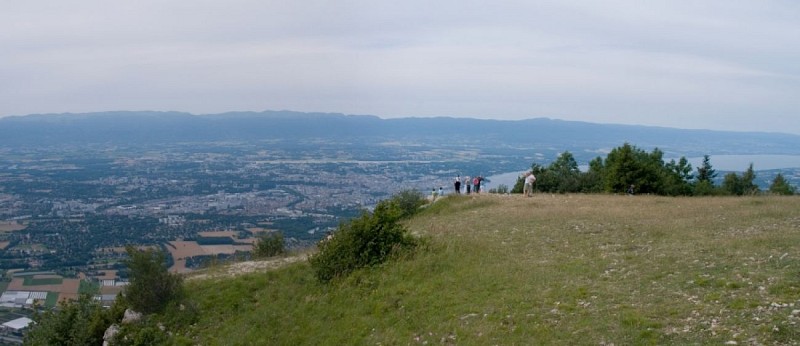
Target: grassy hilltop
557,270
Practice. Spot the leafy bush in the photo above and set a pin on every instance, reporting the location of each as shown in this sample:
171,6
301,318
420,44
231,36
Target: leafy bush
151,286
77,322
408,202
143,333
367,240
269,245
780,186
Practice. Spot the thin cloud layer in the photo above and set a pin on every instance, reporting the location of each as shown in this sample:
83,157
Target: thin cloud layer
712,64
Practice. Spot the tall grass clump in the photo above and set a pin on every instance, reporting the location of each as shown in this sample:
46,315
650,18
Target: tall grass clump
368,240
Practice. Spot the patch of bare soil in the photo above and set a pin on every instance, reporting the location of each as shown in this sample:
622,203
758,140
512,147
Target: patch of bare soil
240,268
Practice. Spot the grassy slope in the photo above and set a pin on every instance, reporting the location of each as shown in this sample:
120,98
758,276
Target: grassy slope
545,270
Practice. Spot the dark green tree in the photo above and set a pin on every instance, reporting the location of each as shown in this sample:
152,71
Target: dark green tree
678,177
593,180
706,172
519,185
628,165
152,287
748,181
732,184
704,180
566,173
621,169
780,186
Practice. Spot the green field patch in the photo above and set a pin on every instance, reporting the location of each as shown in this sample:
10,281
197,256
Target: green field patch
87,287
52,299
30,281
214,240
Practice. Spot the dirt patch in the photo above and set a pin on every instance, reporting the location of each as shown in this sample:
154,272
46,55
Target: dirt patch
109,274
11,226
230,234
122,250
4,245
179,266
181,249
111,289
259,230
247,267
247,240
67,288
47,276
225,249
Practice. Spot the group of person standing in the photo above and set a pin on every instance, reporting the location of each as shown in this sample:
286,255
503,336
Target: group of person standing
468,184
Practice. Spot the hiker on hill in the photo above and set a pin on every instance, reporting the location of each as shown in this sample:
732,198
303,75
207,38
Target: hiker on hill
477,183
631,189
457,184
468,183
527,189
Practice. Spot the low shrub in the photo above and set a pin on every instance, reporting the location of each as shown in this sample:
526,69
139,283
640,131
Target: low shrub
269,245
367,240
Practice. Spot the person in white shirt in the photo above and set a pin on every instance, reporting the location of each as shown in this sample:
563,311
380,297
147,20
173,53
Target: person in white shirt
527,189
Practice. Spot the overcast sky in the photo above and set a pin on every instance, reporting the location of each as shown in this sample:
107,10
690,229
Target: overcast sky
726,65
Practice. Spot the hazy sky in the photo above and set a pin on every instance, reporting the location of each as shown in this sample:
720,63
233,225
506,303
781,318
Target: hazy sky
728,65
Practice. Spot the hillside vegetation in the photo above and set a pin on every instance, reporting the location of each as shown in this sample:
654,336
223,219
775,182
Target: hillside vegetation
551,269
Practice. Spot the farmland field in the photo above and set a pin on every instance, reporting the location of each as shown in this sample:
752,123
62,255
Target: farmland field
258,230
181,250
52,299
230,234
225,249
11,226
36,281
64,288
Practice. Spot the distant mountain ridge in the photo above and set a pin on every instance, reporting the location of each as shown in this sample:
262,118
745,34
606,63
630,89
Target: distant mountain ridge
137,127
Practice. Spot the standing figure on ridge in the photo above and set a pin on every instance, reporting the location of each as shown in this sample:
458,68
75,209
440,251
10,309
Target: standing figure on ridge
528,187
457,184
468,182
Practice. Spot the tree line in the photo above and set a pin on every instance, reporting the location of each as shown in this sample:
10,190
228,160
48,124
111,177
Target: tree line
628,169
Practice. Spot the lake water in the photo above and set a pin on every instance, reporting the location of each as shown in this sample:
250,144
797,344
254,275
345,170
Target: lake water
728,163
507,179
739,163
